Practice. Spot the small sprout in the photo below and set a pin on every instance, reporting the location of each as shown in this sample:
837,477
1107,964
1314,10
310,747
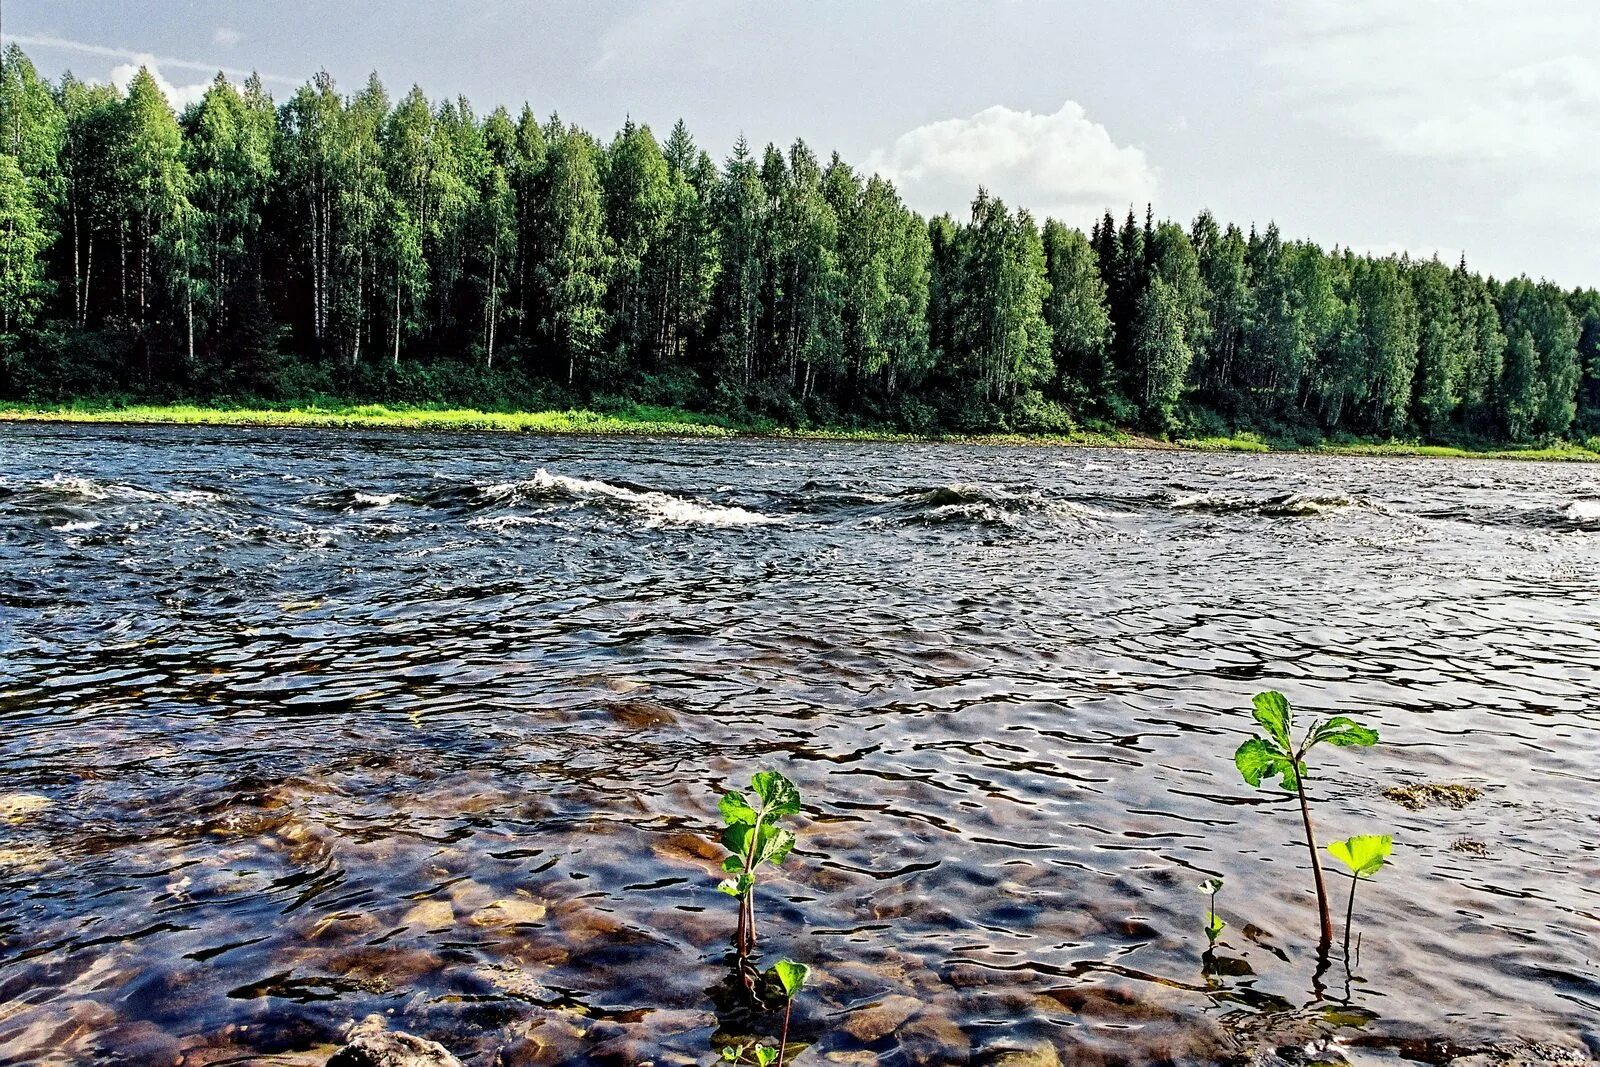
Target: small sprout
753,837
1277,755
766,1055
1214,924
1365,855
791,977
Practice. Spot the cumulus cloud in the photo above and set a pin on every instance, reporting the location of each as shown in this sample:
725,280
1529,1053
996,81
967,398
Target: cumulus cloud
1468,81
179,96
1062,164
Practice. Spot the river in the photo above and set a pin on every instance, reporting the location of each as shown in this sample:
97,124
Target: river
311,725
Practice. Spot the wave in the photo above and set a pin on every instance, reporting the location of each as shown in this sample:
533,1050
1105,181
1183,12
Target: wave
76,493
1283,505
657,507
984,506
358,500
1584,512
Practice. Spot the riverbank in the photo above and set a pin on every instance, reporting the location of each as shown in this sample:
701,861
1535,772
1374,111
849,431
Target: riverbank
675,422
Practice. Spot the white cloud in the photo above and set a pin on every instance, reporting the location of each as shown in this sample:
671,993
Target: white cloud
1509,92
138,59
179,96
226,37
1063,164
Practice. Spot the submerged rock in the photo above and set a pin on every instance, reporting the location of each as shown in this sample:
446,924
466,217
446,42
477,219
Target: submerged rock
372,1045
1433,794
509,911
19,807
877,1021
430,915
1030,1054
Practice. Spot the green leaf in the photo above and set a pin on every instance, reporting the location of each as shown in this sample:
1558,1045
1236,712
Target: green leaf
1259,760
733,864
730,1053
1272,712
736,838
1364,855
791,975
736,810
778,795
775,845
1345,732
1211,885
766,1055
736,887
1214,927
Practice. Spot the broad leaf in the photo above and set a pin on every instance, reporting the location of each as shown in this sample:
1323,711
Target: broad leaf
736,810
778,795
1211,885
1214,927
733,863
1345,732
774,845
736,838
1272,712
730,1053
1258,759
1364,855
766,1056
791,975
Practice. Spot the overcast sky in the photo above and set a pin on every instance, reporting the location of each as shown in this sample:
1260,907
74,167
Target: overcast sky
1418,125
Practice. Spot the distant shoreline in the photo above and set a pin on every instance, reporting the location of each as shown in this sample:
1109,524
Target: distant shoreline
668,422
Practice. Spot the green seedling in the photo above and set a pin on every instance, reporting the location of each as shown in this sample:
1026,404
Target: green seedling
1214,925
760,1055
1364,855
791,978
1278,755
753,838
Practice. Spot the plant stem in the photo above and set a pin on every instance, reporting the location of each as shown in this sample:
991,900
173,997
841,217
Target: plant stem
746,936
1316,864
783,1039
1348,916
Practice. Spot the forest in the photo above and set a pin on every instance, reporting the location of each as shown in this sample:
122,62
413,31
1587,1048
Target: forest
356,246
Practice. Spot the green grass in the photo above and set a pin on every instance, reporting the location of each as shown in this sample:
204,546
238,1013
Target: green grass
378,416
648,420
644,420
1245,442
1563,452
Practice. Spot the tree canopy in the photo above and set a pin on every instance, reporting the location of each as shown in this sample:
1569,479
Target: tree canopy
359,245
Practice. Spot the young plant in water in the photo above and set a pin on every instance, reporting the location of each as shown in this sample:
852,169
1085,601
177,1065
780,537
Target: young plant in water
1211,887
753,837
1365,856
1278,755
791,978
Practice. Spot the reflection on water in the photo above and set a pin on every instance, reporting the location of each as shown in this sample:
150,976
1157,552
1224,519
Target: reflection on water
434,726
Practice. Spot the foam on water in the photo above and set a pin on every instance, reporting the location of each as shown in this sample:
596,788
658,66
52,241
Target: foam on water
658,508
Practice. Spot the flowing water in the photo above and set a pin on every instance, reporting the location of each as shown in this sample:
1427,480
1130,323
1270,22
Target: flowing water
320,725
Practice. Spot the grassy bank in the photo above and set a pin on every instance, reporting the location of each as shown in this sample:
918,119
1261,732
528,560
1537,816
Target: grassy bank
639,421
675,422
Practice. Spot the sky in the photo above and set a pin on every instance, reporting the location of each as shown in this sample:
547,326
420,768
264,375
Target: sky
1420,126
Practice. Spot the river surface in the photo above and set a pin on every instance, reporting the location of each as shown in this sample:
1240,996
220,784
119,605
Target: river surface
434,726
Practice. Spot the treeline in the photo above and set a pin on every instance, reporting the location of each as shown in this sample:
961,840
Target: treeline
412,250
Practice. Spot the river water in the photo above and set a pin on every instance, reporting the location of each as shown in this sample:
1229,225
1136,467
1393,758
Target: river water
434,726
